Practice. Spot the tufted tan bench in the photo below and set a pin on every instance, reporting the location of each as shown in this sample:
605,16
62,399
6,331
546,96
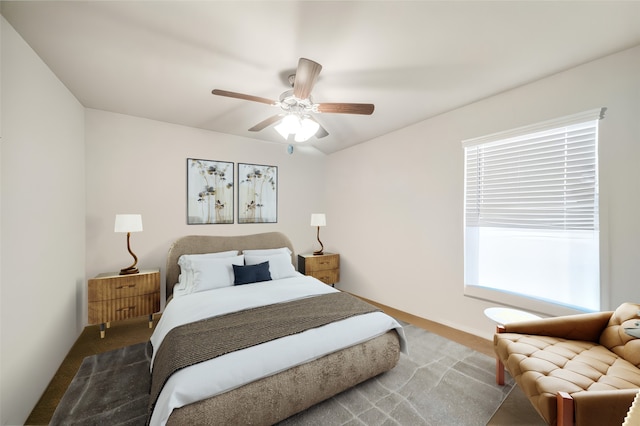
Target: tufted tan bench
577,368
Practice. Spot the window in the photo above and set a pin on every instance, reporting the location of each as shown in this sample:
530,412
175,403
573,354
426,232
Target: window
531,214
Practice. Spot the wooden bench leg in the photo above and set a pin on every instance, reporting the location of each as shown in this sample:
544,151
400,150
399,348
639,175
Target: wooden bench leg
499,364
565,409
499,372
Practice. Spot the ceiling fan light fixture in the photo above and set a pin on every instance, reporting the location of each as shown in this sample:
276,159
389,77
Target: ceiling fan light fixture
281,128
290,124
308,128
302,127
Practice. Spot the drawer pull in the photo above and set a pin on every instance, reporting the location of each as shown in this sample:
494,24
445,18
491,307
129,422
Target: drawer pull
125,286
126,308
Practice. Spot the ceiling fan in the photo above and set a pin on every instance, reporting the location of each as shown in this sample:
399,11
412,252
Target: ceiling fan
297,105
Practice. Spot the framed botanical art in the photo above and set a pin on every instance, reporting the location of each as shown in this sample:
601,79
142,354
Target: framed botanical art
257,193
209,192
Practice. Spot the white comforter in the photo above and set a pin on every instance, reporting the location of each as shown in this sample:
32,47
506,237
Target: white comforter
235,369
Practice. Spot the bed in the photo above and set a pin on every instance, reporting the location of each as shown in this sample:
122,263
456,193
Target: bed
278,376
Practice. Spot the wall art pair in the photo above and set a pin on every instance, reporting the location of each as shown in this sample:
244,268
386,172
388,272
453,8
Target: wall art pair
211,188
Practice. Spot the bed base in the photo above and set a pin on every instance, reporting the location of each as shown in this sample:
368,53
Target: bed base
275,398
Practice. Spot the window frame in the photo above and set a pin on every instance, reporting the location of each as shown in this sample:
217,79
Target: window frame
513,299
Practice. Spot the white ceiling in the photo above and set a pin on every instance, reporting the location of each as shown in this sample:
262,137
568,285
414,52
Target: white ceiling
412,59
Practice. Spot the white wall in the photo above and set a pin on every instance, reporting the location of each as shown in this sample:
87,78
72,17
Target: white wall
42,226
397,201
136,165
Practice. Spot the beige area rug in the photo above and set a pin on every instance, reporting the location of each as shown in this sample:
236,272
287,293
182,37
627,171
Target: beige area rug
439,382
516,410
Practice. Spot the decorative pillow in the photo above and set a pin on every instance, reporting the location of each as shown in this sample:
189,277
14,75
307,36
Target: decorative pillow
267,252
280,265
251,273
186,276
211,273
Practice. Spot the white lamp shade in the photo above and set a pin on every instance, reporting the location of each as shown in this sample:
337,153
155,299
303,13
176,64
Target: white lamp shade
302,127
290,124
282,129
318,219
128,223
308,128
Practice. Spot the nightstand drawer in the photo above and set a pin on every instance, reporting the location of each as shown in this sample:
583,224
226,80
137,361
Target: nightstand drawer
328,276
119,309
325,267
109,287
320,263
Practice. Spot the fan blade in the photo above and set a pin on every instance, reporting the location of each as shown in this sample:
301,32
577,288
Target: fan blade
322,132
338,108
243,96
265,123
306,76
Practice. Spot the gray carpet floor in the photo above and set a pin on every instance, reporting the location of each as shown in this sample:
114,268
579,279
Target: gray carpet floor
110,388
439,382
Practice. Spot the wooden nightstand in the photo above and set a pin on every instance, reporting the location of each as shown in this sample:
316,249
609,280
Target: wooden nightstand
114,297
325,267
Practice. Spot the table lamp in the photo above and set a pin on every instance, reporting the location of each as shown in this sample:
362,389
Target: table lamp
129,223
318,219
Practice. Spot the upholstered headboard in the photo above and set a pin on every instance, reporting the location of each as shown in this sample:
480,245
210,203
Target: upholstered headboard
198,244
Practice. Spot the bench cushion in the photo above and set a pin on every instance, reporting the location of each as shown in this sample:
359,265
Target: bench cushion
542,366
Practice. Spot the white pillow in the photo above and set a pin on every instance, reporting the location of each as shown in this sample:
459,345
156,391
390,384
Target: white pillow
182,281
267,252
177,292
183,260
186,276
211,273
280,265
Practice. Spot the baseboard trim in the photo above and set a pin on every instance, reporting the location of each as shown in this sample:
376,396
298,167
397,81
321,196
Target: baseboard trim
472,341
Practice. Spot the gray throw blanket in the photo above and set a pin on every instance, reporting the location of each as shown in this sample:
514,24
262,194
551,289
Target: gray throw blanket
206,339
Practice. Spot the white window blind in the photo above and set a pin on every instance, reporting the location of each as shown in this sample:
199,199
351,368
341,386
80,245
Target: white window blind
542,179
531,210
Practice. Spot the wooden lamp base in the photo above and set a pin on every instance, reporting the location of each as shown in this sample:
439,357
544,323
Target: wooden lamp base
129,270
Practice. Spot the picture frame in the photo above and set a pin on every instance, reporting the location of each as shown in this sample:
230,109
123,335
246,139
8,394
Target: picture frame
257,193
210,190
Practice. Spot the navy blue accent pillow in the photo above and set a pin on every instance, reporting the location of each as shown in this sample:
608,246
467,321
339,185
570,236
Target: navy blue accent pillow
248,274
